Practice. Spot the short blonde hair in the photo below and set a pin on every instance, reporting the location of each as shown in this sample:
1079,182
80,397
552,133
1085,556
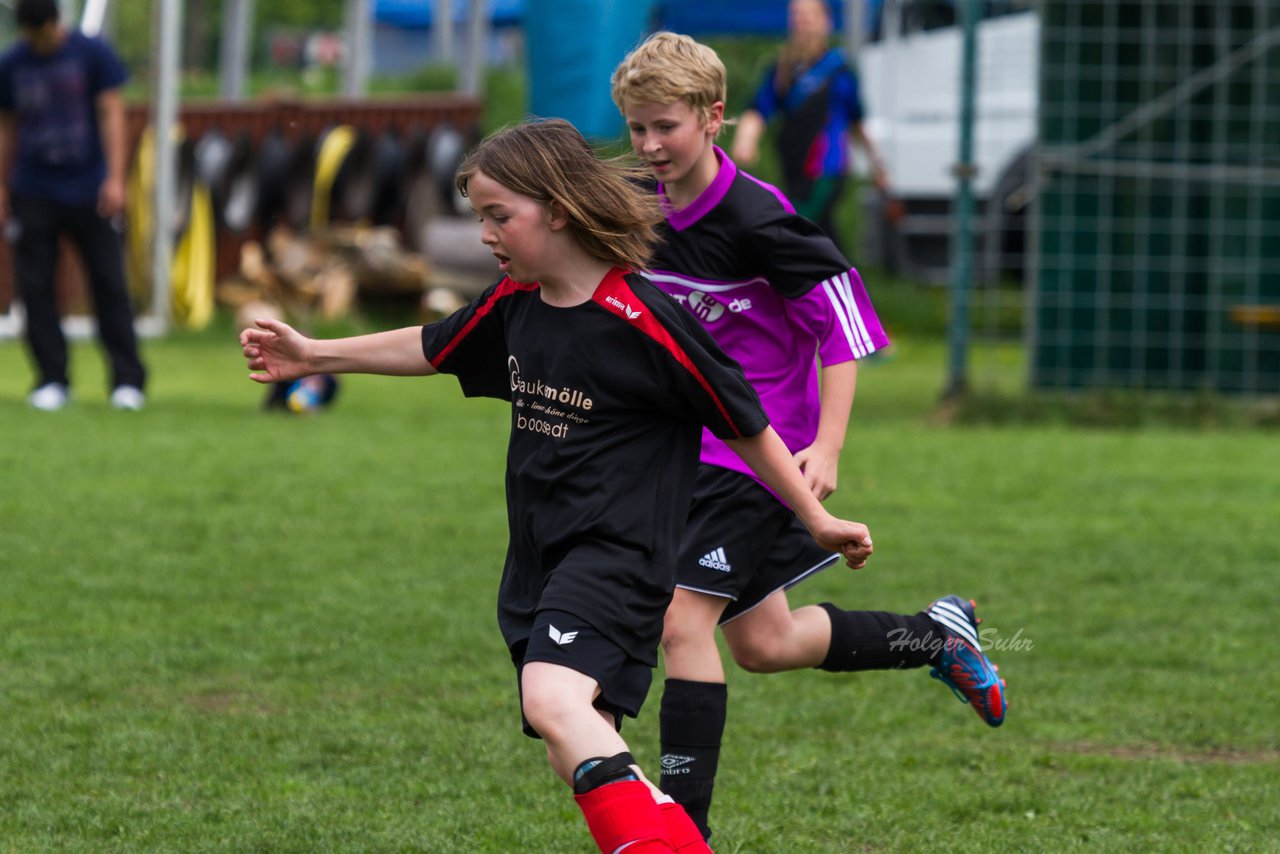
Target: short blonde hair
611,214
667,68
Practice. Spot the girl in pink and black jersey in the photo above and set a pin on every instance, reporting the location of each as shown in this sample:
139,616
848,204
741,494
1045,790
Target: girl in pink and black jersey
610,386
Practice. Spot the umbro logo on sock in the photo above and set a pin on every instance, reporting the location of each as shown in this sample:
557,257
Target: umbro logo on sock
560,637
715,559
671,761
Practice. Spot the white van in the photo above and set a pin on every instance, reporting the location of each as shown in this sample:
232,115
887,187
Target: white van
909,68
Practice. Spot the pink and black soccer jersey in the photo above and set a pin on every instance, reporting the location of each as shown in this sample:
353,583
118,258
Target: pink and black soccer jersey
608,400
773,291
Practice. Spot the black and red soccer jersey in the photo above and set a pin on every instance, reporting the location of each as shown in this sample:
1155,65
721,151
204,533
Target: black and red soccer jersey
608,400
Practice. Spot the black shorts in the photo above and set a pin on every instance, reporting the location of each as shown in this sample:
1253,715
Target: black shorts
559,637
743,544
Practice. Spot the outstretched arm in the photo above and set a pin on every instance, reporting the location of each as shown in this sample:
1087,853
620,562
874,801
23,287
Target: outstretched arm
821,460
277,351
769,458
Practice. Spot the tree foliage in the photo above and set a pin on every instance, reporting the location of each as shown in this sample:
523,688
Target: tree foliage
131,24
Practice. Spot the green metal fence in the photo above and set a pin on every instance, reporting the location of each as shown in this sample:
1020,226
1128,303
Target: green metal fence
1157,229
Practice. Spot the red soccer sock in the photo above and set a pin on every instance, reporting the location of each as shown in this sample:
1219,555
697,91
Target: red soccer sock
625,813
682,834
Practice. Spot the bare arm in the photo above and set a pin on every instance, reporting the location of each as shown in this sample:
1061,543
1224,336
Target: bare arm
276,351
769,458
820,461
879,174
110,106
746,140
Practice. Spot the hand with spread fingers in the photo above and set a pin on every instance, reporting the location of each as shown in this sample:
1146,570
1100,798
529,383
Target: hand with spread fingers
276,351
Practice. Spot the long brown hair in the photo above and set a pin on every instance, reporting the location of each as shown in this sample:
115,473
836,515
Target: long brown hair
611,214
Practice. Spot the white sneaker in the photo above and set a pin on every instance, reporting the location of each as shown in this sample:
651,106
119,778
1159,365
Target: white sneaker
49,397
128,397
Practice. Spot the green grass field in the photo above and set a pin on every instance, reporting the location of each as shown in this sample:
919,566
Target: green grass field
224,630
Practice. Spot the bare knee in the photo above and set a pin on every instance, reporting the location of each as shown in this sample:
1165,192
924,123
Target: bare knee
771,637
679,635
547,710
690,622
756,654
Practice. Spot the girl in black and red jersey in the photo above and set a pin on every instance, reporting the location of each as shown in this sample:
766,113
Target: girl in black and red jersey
610,384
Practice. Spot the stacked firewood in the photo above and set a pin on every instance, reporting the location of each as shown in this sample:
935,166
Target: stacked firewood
321,275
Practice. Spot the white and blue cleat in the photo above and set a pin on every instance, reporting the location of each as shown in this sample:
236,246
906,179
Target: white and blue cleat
963,667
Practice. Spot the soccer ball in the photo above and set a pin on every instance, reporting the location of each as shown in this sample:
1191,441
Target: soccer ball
311,393
305,395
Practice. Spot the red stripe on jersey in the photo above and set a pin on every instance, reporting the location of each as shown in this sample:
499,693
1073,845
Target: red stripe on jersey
616,296
506,288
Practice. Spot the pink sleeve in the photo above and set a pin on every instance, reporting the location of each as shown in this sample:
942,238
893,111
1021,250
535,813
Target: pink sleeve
839,314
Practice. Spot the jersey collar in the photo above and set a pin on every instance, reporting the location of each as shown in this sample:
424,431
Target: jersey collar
707,199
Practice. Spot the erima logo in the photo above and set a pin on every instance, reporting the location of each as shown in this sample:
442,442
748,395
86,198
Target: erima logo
560,637
715,559
626,309
672,763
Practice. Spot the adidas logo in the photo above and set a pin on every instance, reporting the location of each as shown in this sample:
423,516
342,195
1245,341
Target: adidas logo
560,637
626,309
672,763
715,559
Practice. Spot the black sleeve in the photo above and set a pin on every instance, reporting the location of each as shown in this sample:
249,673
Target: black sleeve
471,345
793,253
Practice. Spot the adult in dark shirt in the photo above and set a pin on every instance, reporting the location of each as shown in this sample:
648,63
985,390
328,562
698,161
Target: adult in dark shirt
610,384
62,151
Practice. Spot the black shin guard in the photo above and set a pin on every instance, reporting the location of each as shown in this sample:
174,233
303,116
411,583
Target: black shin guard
879,640
601,770
691,721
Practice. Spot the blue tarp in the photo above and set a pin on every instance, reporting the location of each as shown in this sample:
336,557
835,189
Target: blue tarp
573,47
695,17
729,17
418,13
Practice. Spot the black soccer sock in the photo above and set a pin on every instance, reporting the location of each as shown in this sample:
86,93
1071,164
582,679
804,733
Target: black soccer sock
879,640
691,723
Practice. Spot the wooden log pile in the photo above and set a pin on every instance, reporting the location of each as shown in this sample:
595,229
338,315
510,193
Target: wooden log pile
321,275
